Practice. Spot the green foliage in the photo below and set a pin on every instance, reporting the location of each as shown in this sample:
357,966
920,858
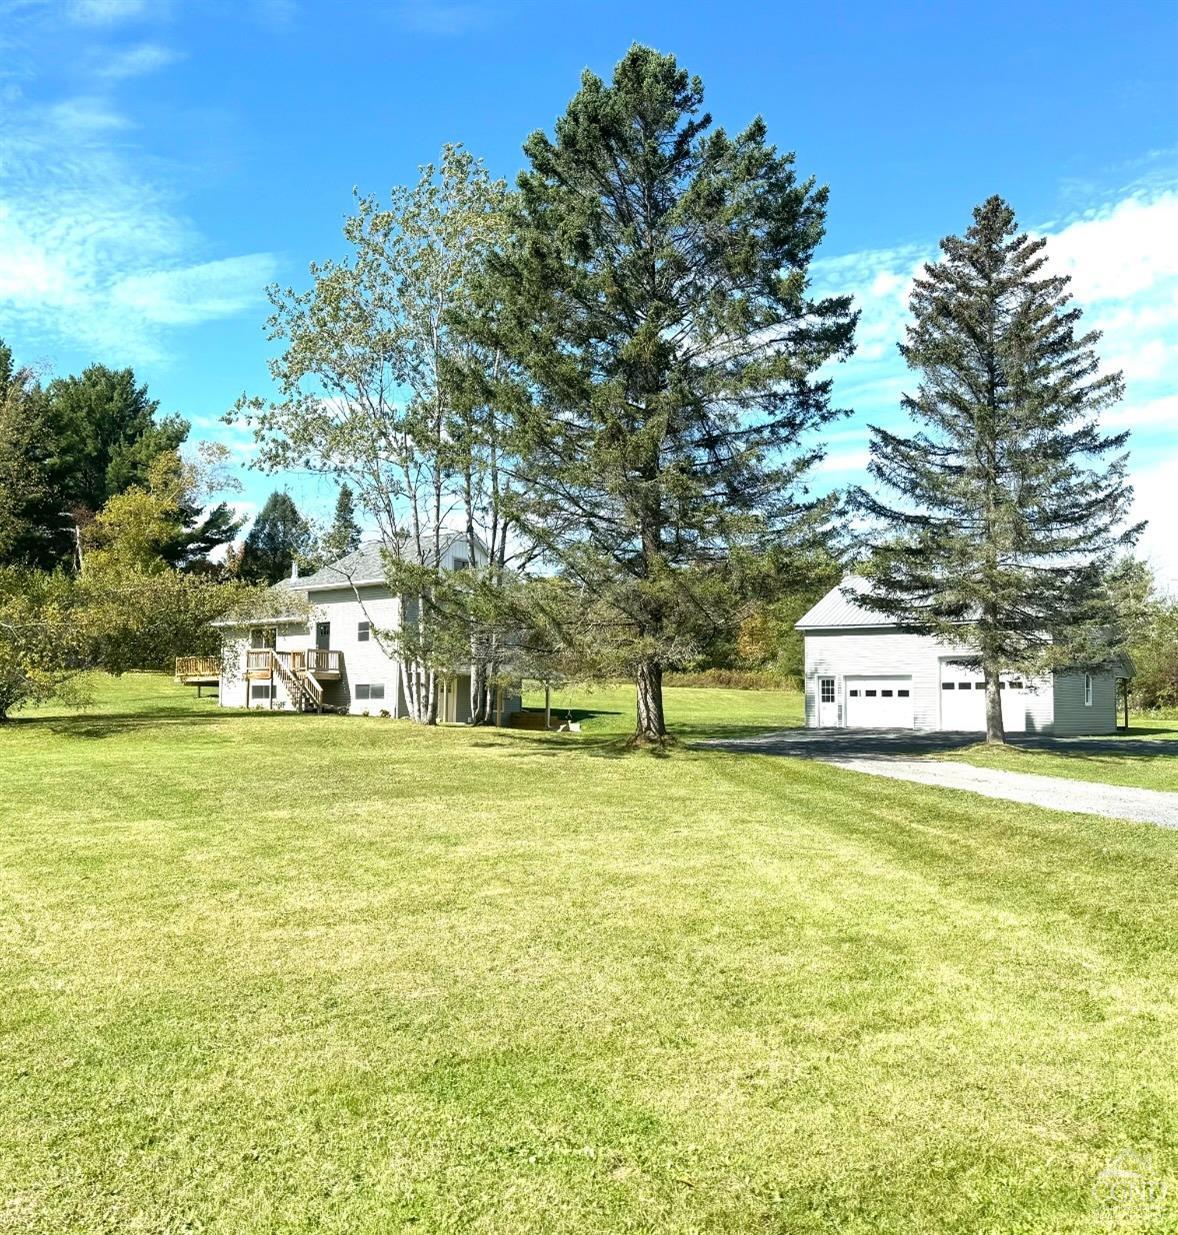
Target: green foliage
105,435
28,514
343,536
44,637
1000,516
652,296
279,537
1148,621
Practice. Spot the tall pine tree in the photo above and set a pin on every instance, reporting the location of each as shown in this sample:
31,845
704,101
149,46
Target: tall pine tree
279,537
343,536
1008,503
653,295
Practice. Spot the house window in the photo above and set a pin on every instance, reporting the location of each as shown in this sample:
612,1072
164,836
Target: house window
264,637
826,689
369,690
1087,690
363,632
260,690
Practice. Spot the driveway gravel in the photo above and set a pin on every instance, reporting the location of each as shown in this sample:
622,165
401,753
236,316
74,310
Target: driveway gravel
889,752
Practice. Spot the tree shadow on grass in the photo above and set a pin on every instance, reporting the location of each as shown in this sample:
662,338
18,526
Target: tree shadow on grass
113,724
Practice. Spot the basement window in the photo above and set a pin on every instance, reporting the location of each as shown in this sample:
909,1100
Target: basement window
369,690
260,690
1087,690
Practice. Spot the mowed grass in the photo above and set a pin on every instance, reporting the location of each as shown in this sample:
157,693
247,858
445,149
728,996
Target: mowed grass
1148,760
278,973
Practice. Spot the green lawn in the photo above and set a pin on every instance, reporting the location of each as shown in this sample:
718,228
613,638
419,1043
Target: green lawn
1149,760
280,973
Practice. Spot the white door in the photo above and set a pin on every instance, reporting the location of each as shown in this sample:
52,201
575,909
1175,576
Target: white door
879,703
963,700
828,708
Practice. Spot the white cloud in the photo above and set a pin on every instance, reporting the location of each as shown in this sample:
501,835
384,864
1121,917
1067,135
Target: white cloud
1156,499
136,61
106,12
192,294
97,251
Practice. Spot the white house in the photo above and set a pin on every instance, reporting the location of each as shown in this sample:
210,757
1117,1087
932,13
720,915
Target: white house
323,652
862,672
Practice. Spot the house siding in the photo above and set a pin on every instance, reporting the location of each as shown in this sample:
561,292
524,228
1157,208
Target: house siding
1072,716
363,662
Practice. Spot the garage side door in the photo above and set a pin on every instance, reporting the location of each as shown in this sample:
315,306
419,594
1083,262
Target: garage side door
879,703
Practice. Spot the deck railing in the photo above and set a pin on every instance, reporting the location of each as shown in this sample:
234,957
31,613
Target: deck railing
320,660
198,666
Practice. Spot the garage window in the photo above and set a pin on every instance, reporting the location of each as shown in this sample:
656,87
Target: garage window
979,686
885,694
870,694
826,687
854,694
963,686
902,694
948,686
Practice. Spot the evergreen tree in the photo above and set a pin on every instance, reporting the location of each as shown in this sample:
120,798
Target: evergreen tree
279,537
104,435
343,536
653,294
1009,502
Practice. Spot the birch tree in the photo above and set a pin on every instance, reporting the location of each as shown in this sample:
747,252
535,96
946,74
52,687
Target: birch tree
375,389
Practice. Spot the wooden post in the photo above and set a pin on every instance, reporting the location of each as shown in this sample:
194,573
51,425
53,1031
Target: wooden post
547,705
1126,705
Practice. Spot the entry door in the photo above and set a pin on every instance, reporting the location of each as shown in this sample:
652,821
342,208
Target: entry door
828,708
323,635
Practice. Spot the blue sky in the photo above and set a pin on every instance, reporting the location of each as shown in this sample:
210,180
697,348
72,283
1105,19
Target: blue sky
160,162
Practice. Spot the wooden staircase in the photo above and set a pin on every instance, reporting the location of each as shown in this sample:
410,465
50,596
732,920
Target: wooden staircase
306,692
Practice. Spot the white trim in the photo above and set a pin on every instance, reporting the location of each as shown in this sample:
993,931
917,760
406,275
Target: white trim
1087,690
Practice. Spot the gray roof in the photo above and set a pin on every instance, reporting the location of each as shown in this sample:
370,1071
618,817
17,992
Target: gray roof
363,565
840,608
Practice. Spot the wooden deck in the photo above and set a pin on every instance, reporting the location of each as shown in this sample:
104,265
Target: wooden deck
326,666
198,670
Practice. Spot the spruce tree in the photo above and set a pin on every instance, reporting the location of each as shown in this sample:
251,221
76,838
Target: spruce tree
997,520
279,537
652,293
343,536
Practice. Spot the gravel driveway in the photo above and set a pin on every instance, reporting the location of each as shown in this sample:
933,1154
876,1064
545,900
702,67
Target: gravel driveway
889,752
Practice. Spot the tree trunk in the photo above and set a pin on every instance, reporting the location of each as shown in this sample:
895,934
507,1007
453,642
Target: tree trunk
995,733
652,726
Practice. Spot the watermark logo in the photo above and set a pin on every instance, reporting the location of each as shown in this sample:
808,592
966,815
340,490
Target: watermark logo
1131,1183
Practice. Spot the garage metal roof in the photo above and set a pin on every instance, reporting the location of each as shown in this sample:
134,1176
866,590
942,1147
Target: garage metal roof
840,608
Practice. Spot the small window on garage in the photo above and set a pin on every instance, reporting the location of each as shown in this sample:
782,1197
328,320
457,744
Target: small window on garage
948,686
1087,690
963,685
826,686
870,694
854,693
903,694
1016,684
885,694
979,686
1003,685
363,631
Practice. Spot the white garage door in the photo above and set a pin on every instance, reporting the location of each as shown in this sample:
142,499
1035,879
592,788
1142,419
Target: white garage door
879,703
963,700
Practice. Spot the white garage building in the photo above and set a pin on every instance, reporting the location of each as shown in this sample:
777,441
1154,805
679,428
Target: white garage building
862,672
